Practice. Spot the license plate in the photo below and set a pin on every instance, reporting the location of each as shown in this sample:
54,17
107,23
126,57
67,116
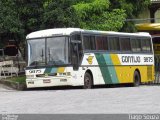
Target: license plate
47,81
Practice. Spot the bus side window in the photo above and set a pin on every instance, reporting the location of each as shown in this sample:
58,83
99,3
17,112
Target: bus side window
146,44
86,40
89,42
125,44
136,45
93,42
114,43
101,43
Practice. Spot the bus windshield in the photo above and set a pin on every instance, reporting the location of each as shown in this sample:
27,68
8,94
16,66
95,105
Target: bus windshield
48,51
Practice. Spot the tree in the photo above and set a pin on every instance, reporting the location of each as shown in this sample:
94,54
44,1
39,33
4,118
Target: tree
59,13
10,24
132,9
30,14
20,17
95,14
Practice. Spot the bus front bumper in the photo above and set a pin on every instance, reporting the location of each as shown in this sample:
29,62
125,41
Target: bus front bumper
46,82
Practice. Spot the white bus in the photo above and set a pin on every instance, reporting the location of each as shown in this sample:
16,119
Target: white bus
77,57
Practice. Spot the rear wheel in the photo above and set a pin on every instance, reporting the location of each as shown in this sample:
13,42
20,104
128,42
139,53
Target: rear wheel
136,79
88,82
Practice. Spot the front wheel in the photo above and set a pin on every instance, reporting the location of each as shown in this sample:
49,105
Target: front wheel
136,79
88,82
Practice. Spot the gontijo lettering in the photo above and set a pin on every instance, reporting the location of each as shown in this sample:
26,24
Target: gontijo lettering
131,59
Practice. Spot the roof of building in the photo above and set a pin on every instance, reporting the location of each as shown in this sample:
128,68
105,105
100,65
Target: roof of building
148,26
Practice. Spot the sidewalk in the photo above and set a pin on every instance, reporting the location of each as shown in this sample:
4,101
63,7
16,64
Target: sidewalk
4,88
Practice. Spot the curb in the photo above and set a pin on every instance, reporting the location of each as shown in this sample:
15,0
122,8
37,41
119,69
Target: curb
14,85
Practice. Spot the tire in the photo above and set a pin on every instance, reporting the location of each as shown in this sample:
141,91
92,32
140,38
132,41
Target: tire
136,79
88,82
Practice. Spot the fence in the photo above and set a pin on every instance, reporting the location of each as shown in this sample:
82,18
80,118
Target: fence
7,69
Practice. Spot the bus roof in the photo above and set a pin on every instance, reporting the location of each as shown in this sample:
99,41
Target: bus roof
68,31
52,32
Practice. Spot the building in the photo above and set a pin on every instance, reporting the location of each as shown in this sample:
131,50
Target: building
151,14
150,19
150,22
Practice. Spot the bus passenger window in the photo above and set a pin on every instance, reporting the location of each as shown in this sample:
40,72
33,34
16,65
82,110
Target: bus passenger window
114,43
146,45
93,44
136,45
89,42
125,44
87,45
101,43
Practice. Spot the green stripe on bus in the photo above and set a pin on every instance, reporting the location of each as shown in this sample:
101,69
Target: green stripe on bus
107,68
104,69
48,70
111,68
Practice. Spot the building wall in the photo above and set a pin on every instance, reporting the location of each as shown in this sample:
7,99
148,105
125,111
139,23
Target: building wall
144,15
157,15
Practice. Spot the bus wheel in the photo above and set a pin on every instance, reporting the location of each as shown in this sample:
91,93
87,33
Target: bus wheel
136,79
88,83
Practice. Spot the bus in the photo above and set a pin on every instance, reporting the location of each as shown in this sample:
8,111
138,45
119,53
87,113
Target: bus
79,57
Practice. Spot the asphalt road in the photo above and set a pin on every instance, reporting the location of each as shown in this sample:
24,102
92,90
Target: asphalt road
143,99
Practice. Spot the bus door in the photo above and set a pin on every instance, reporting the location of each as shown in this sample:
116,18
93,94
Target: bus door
76,50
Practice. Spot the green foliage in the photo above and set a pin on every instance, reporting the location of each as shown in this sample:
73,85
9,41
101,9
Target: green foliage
19,79
96,15
30,14
58,14
132,9
20,17
9,19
